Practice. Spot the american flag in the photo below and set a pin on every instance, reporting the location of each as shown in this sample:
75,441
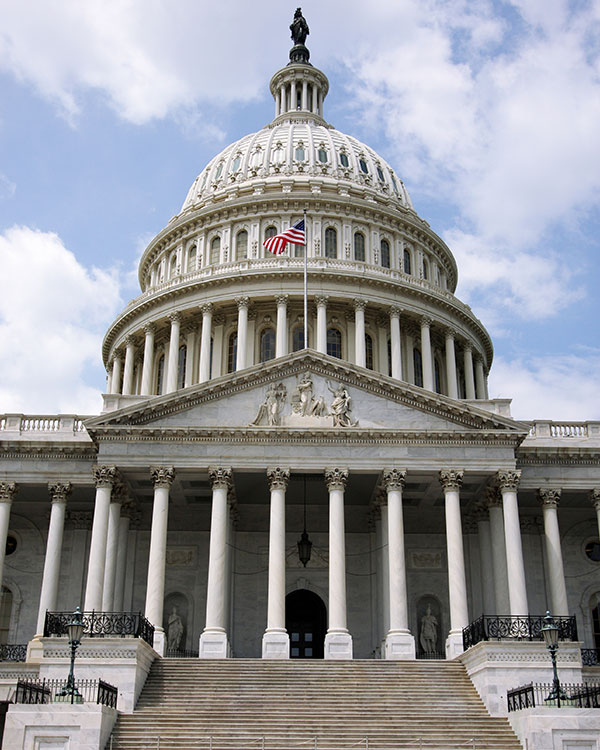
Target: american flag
295,235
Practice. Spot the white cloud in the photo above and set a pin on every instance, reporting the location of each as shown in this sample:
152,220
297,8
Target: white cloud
53,313
7,187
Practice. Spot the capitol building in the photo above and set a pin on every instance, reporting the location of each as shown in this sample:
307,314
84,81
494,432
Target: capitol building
279,475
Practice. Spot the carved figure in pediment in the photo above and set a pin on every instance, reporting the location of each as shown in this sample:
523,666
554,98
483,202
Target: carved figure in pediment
269,411
341,406
303,401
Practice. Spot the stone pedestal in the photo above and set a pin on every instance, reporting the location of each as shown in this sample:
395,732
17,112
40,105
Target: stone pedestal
276,645
454,644
160,641
213,645
338,645
400,644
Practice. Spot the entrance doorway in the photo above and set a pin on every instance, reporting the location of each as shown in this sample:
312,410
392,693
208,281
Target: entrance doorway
306,623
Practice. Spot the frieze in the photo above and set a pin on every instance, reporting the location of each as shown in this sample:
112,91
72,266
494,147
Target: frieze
181,557
425,559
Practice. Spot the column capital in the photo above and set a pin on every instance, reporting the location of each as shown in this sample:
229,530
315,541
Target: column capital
451,479
508,479
104,476
493,497
321,300
242,302
478,357
426,322
148,328
220,477
162,476
129,340
278,478
174,317
395,312
451,333
282,300
359,303
467,346
393,479
595,497
336,478
59,491
206,308
549,497
7,491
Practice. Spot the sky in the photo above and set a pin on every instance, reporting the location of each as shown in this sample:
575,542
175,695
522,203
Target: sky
489,111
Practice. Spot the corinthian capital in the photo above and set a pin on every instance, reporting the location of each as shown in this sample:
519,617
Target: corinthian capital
59,491
220,477
508,479
278,478
162,476
7,491
282,299
206,308
104,476
595,497
336,479
451,479
359,303
321,300
242,302
393,479
549,497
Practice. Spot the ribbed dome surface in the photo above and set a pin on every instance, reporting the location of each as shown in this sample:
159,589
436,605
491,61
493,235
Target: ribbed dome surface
305,150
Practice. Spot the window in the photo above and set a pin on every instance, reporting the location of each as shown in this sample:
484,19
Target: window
160,375
270,232
219,171
363,165
181,366
215,251
236,164
191,266
368,352
359,246
334,343
322,155
425,269
300,153
267,345
380,174
330,243
418,364
592,550
173,265
344,159
6,602
297,339
437,376
385,253
232,352
241,245
394,184
407,262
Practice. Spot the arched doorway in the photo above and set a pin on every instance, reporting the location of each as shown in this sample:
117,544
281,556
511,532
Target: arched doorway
306,623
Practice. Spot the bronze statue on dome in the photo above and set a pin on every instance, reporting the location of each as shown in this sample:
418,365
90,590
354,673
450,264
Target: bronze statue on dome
299,27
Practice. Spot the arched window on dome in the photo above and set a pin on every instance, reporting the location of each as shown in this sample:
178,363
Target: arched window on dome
6,605
191,259
232,352
267,344
385,253
181,361
344,161
334,343
241,245
300,153
270,231
437,375
215,251
298,339
160,375
418,365
368,352
172,265
425,269
331,242
359,246
407,263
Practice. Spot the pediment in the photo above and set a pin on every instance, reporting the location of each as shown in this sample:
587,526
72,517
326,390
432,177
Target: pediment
306,391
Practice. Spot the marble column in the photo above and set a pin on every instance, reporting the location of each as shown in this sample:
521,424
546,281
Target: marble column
281,341
508,482
104,477
468,363
148,362
162,477
595,500
426,358
7,492
205,340
59,492
213,641
242,332
276,641
451,363
115,380
485,559
396,343
173,364
549,498
128,369
498,545
338,641
112,548
399,642
359,332
451,481
123,545
481,391
321,302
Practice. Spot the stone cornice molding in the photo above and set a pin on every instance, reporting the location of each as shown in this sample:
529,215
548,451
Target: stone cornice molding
493,498
549,497
220,477
7,491
451,479
60,491
508,480
104,476
336,478
31,451
394,479
162,476
595,498
558,457
278,478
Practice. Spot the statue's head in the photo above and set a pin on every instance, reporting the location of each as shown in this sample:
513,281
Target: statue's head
298,13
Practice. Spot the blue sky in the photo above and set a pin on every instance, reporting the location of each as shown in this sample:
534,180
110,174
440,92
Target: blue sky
490,112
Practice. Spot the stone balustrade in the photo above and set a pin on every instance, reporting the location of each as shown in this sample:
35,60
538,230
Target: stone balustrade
60,426
544,429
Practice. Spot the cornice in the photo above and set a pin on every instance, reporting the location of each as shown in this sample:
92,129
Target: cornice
559,457
29,450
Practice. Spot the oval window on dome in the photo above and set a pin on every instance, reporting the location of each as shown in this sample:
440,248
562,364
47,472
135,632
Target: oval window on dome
300,153
322,154
380,174
364,166
236,164
344,161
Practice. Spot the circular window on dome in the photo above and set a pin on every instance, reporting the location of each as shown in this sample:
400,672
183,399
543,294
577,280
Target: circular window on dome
364,166
344,159
592,550
11,544
322,154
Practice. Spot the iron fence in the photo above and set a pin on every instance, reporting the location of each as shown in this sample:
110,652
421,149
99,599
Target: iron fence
102,625
525,628
590,657
572,695
13,652
57,691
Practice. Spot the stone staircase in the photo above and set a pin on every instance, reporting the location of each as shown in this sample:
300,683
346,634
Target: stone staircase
324,705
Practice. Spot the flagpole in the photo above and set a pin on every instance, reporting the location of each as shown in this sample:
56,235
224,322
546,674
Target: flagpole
305,281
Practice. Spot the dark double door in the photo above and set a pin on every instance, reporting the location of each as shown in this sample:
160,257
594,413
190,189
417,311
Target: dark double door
306,623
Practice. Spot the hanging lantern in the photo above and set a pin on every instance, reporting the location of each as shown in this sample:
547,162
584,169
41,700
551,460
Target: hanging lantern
304,543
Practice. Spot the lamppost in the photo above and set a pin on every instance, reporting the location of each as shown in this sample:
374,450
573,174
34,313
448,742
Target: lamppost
75,631
550,633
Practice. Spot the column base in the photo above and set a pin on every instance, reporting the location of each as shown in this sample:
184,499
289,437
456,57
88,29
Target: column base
276,644
454,644
400,644
338,645
160,642
213,645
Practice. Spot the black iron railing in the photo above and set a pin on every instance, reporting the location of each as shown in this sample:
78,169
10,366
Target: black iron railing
590,657
430,655
524,628
54,691
573,695
102,625
181,654
13,652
